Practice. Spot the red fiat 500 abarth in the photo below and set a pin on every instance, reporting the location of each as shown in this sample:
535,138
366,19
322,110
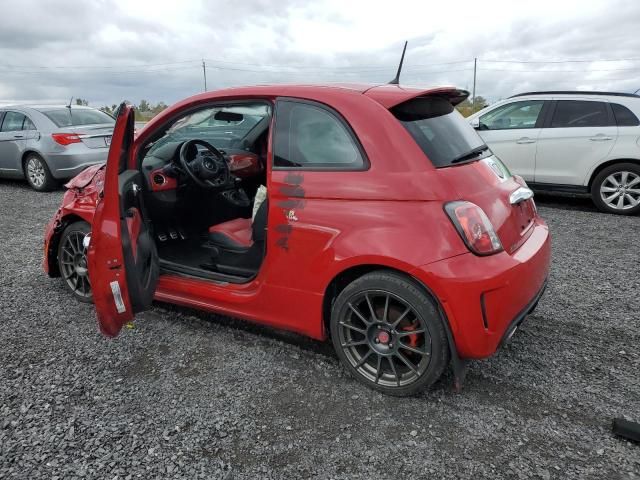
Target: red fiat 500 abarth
374,216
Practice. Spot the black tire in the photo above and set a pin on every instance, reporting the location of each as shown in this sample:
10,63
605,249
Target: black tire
38,174
384,295
603,181
72,261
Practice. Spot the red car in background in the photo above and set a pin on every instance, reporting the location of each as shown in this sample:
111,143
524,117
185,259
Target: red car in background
371,215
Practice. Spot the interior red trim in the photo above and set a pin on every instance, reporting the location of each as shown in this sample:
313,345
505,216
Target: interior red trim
239,231
168,183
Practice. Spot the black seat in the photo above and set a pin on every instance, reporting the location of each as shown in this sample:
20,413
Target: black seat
239,244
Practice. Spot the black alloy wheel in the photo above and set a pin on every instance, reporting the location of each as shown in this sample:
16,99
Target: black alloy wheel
72,261
389,333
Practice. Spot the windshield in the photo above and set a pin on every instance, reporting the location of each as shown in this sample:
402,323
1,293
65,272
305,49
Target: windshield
222,126
74,117
440,131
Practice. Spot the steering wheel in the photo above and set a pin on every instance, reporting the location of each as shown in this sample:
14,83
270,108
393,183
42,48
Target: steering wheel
207,171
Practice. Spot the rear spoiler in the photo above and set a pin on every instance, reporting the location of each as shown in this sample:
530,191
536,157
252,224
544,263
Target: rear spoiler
390,96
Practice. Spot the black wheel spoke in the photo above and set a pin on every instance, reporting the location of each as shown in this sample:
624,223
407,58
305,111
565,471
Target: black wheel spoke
411,332
406,361
354,328
385,315
363,359
379,368
393,369
359,315
354,344
373,313
401,317
412,349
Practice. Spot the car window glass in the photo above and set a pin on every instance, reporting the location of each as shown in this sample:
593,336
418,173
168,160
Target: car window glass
580,113
12,122
69,117
438,129
28,124
624,116
512,116
311,136
223,126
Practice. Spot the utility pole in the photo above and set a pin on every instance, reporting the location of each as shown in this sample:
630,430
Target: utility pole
473,97
204,73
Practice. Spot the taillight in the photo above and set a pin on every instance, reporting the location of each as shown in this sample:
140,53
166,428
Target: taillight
474,227
66,138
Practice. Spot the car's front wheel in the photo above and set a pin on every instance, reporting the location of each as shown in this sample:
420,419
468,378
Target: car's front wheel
616,189
389,333
72,261
37,174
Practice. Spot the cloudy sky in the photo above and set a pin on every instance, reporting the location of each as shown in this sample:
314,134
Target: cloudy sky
109,50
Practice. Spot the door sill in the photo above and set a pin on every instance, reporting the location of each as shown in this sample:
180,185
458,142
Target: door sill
175,268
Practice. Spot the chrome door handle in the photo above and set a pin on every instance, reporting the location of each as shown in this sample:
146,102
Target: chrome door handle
520,195
600,138
525,140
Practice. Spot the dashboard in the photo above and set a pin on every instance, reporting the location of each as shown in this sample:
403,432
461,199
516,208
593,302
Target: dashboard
160,172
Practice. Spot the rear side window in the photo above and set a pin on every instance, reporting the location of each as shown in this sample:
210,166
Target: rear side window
438,128
28,124
72,117
624,116
516,115
12,122
580,113
312,136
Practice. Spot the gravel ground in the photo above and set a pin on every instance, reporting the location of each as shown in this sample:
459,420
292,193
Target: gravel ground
191,395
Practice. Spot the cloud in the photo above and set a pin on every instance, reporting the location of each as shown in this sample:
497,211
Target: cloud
109,50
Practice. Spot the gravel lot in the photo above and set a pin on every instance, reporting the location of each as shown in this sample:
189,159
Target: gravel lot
191,395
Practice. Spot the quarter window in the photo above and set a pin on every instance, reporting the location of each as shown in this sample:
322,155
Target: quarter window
311,136
624,116
580,113
516,115
12,122
28,124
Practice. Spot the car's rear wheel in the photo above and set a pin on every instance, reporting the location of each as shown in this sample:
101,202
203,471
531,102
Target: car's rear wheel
616,189
389,333
72,261
37,174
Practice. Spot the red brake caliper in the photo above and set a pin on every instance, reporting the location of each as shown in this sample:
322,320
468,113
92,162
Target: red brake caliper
412,340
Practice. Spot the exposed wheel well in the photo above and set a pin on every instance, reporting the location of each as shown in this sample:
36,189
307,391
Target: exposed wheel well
52,255
347,276
608,164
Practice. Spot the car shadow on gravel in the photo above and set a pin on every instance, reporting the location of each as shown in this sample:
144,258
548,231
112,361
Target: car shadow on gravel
581,203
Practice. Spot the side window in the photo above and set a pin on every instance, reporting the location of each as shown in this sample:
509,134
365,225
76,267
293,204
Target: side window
512,116
624,116
28,124
12,122
580,113
310,136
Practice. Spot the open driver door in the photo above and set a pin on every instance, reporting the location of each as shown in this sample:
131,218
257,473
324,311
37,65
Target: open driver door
122,256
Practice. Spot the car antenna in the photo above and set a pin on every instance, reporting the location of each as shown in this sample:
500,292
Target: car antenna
69,107
396,81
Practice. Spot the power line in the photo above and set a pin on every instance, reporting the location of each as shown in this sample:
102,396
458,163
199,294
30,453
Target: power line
565,61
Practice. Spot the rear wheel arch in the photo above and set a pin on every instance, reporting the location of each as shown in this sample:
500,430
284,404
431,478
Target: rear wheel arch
26,155
52,253
609,163
345,277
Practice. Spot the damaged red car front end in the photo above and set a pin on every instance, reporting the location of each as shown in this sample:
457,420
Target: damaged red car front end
78,203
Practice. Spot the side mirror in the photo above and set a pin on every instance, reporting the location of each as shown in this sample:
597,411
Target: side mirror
475,123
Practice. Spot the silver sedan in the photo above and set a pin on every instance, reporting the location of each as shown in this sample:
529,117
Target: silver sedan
49,144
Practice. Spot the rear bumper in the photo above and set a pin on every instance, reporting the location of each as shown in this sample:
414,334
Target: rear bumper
67,165
486,298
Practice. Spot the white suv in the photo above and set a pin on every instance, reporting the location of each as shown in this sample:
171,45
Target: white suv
574,142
